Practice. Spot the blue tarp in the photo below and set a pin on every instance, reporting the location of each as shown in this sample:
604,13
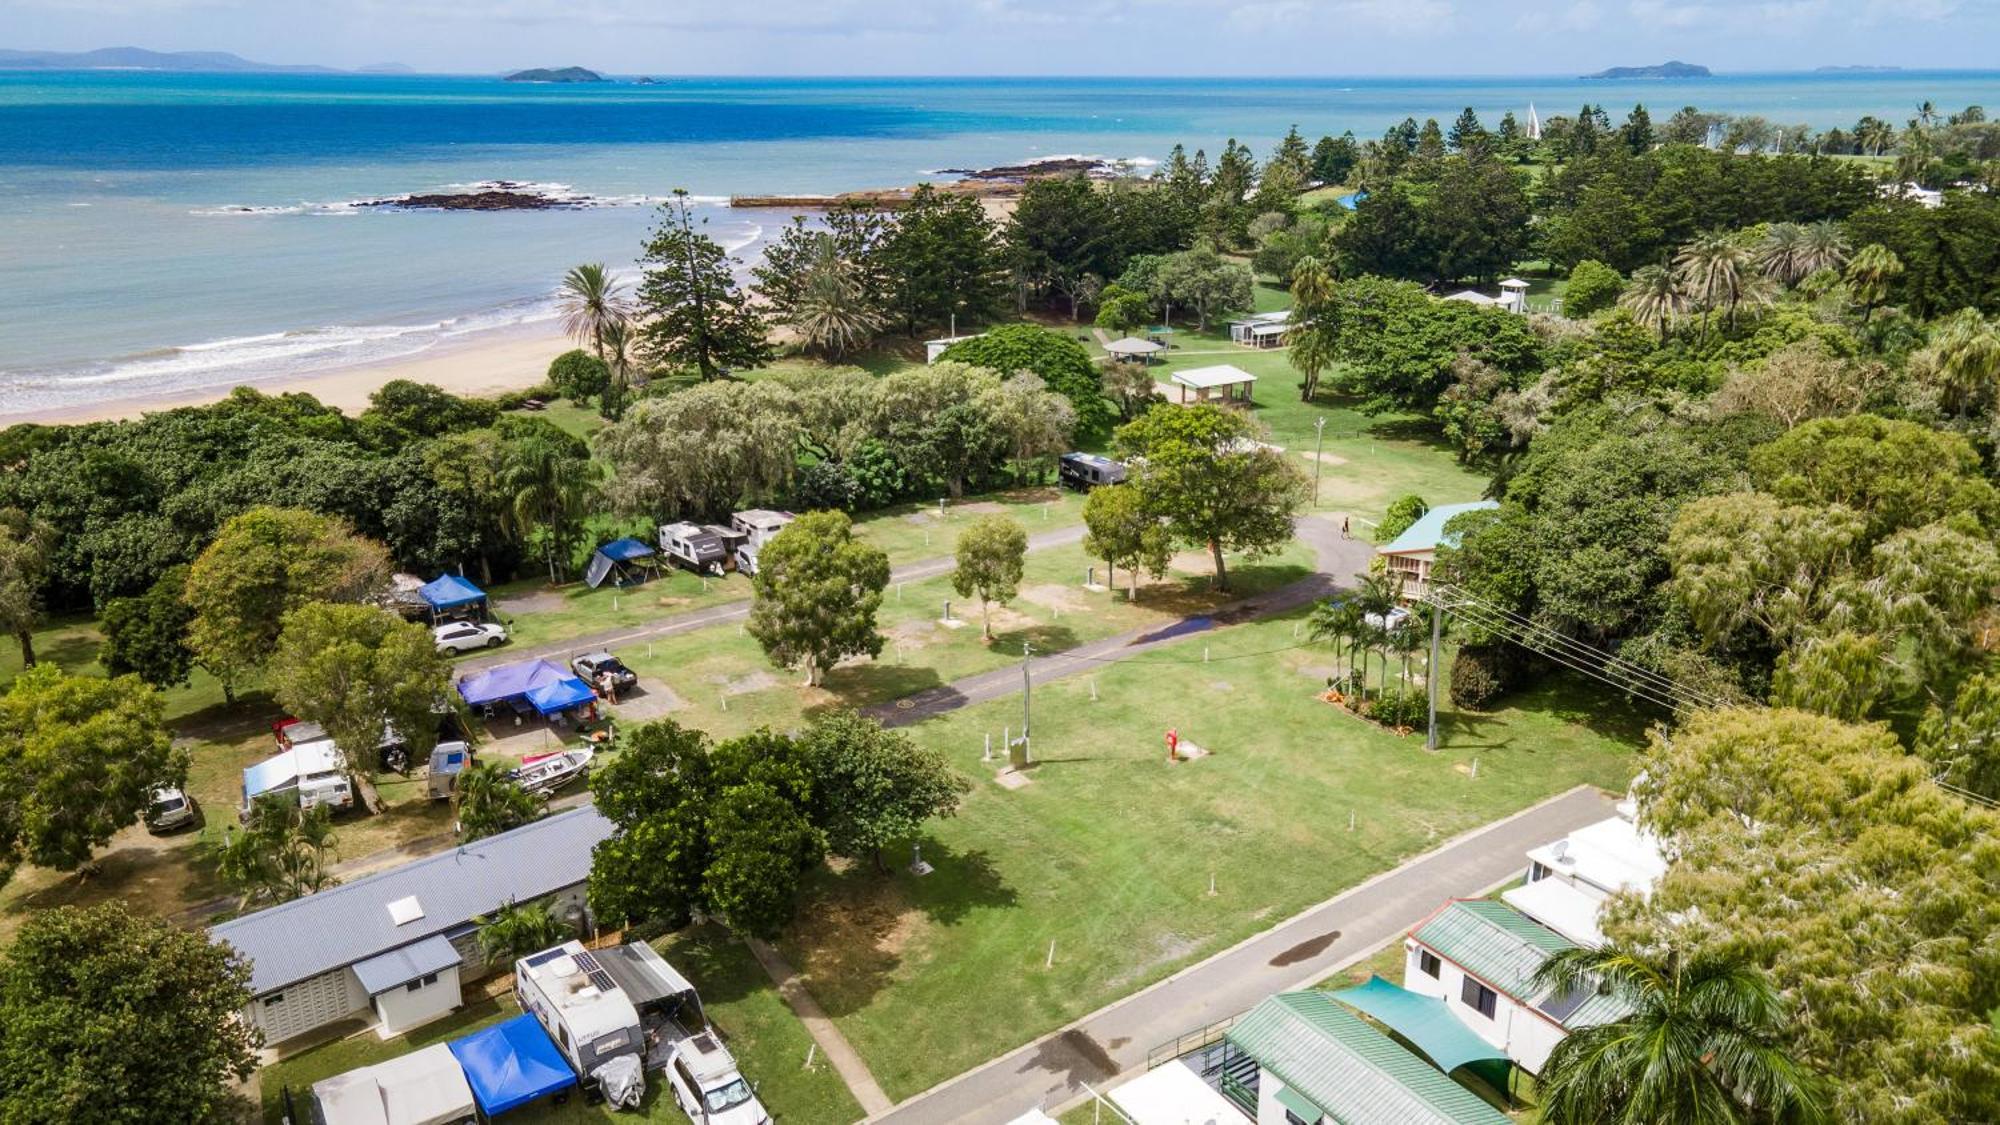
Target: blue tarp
560,695
625,550
511,1064
448,590
509,681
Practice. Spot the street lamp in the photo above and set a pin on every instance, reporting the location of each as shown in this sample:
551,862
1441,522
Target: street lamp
1319,439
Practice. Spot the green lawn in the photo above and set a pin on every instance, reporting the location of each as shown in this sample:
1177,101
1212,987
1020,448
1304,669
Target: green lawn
1109,852
769,1043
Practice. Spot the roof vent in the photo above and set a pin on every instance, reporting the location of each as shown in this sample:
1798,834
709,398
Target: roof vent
403,911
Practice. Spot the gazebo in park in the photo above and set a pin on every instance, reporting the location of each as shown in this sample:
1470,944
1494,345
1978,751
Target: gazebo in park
1134,349
448,595
1225,383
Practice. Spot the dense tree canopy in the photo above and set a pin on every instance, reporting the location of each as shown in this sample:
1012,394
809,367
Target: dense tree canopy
1211,483
817,589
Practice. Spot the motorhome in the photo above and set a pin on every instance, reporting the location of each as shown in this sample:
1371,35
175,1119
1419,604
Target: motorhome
608,1003
311,773
692,546
757,527
1085,471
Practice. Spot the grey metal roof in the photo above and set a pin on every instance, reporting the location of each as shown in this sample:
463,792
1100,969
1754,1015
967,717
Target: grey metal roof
397,967
349,923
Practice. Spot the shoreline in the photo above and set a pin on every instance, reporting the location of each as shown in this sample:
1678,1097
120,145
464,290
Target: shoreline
484,363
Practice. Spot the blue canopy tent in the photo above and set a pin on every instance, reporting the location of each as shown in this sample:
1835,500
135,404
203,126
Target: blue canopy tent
560,695
621,557
511,1064
1429,1026
449,591
542,685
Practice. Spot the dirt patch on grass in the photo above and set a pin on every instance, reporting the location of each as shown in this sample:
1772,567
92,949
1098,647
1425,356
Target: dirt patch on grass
980,508
541,601
1053,596
652,700
914,634
1197,563
1324,457
1167,949
855,937
1005,620
744,685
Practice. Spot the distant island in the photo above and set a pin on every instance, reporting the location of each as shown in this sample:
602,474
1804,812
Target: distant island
561,74
139,58
1664,70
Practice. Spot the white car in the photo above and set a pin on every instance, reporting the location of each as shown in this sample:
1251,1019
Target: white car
464,636
708,1087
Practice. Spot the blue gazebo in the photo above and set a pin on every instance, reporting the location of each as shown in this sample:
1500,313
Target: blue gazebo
622,557
537,683
449,592
511,1064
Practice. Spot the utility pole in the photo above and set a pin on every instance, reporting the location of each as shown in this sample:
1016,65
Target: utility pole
1431,676
1319,436
1027,711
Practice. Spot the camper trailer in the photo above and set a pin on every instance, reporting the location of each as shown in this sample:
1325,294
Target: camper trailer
609,1003
1085,471
692,546
756,527
310,773
448,760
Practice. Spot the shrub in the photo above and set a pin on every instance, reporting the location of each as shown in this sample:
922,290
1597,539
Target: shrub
1403,511
1400,707
827,485
579,376
1593,286
1480,674
879,479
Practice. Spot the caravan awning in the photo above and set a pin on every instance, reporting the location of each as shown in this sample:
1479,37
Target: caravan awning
449,590
511,1064
1428,1023
509,681
625,550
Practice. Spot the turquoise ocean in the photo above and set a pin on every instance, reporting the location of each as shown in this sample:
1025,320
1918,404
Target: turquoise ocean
170,232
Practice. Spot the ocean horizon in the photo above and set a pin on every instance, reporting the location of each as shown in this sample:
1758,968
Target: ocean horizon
172,232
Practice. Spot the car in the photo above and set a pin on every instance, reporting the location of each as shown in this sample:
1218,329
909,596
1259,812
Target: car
591,667
708,1087
464,636
171,809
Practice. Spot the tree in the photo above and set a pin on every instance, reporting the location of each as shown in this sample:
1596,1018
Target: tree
1123,311
1593,286
261,566
80,757
1870,274
548,481
1401,513
834,313
992,552
657,792
1401,347
1655,299
1716,273
1059,360
107,1015
1063,238
1212,484
1199,280
816,592
1896,474
696,317
1704,1043
1035,424
281,854
762,845
1962,363
147,635
1333,158
519,929
579,376
875,786
1313,332
591,302
491,802
25,544
942,256
1961,739
701,451
1797,383
357,671
1123,532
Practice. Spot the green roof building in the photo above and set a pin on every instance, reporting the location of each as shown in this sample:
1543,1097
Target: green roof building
1319,1062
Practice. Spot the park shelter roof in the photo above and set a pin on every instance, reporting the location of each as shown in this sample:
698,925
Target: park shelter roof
625,550
448,590
1427,1022
508,681
1221,375
1561,906
1132,345
511,1064
1504,948
1428,533
1472,297
424,1087
351,922
1349,1071
404,964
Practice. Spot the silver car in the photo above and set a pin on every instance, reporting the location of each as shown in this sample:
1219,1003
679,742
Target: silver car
171,809
464,636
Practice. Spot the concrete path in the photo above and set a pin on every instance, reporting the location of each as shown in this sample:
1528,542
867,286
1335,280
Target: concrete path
1097,1048
846,1061
718,614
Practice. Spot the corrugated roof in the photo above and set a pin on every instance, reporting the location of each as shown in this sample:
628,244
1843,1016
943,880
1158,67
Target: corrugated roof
385,971
1504,948
1427,534
1348,1069
349,923
1220,375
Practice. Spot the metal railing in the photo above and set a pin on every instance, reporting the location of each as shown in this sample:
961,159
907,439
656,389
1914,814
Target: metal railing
1188,1043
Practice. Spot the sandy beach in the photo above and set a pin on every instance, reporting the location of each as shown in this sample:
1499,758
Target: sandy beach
483,364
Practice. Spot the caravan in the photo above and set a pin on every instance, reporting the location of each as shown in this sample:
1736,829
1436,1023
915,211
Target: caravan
756,527
693,546
310,773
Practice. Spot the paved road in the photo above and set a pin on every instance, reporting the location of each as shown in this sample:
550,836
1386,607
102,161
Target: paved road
720,613
1115,1039
1338,560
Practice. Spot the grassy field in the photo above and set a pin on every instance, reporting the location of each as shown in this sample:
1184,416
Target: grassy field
769,1043
1109,852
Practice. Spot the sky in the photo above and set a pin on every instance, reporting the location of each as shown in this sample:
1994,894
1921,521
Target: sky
1004,37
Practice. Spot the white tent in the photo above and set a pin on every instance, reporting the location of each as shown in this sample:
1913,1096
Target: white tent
421,1088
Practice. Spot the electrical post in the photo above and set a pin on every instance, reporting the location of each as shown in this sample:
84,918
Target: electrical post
1027,711
1319,439
1431,671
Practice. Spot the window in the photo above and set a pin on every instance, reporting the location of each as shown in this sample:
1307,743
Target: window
1479,997
1536,872
421,982
1427,962
1294,1119
273,1000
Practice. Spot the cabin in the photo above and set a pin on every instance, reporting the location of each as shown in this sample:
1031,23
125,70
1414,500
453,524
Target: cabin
392,949
1410,556
1264,330
1224,383
1569,880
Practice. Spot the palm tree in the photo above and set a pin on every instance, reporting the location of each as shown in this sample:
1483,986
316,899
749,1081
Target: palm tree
1964,357
1654,299
615,345
833,314
591,302
1312,332
1703,1044
1870,274
1716,273
1822,246
1778,254
549,490
518,929
490,801
1339,622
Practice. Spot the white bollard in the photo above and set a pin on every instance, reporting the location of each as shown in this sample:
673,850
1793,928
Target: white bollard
1050,963
988,755
811,1050
1475,769
725,702
1093,689
1350,820
614,603
1204,654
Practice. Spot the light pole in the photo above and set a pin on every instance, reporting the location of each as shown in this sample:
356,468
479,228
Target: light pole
1431,676
1027,711
1319,438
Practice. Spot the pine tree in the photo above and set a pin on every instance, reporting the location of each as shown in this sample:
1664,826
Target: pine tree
1468,136
1637,132
697,318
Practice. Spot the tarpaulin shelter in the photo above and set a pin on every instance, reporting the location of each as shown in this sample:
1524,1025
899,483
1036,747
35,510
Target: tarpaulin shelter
511,1064
547,688
1427,1023
449,591
628,558
424,1087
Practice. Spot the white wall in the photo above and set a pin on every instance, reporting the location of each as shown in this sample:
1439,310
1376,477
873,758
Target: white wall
1269,1110
1525,1034
311,1003
401,1009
